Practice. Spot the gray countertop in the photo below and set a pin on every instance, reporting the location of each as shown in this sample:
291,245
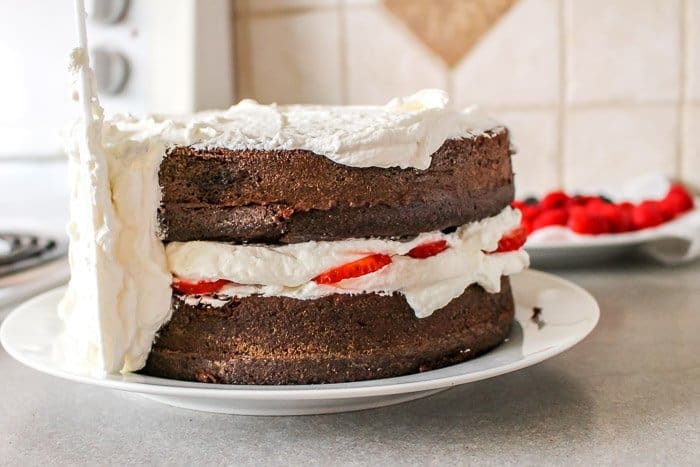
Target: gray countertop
629,393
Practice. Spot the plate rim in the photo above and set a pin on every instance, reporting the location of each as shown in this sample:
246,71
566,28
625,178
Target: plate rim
357,389
635,238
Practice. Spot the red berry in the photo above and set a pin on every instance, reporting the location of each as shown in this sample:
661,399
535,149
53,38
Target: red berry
555,199
427,250
530,212
615,220
677,201
585,221
517,204
512,240
626,206
626,209
558,216
358,268
582,200
647,214
596,203
198,287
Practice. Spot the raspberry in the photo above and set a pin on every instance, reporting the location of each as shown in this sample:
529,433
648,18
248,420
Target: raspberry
615,220
586,221
647,214
512,240
427,250
557,216
677,201
596,203
626,206
530,212
198,287
517,204
581,200
358,268
555,199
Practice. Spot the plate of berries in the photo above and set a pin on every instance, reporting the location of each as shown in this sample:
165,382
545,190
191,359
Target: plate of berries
652,215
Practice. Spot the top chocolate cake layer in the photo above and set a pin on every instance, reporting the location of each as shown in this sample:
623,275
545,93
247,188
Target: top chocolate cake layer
296,196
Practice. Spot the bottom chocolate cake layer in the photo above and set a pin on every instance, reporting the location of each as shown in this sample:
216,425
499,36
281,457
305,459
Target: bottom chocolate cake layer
339,338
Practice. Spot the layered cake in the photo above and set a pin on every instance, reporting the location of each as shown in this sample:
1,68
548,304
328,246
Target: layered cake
269,244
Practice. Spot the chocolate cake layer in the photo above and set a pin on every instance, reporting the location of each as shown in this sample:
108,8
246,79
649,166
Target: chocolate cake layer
297,196
339,338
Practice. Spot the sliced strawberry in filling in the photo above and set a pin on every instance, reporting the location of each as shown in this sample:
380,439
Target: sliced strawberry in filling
358,268
512,240
198,287
426,250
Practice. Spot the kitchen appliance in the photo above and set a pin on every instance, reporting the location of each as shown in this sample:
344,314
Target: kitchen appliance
33,215
157,56
19,252
29,264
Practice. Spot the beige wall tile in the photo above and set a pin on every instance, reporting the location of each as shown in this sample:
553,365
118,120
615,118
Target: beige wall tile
450,28
352,3
295,58
534,134
623,50
604,146
517,62
242,59
690,171
384,60
693,50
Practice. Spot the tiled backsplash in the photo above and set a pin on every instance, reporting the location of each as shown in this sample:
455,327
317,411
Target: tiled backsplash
594,91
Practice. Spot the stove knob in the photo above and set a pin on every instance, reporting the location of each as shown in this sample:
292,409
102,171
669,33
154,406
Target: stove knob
106,11
111,70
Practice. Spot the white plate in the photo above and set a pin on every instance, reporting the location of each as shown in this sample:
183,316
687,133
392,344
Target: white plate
568,311
674,242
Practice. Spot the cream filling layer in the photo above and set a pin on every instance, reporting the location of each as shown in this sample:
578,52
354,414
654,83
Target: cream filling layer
428,284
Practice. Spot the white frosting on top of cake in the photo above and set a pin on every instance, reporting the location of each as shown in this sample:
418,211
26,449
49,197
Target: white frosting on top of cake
403,133
428,283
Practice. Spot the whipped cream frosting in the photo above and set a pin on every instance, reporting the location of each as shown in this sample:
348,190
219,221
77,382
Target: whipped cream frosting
403,133
119,292
428,284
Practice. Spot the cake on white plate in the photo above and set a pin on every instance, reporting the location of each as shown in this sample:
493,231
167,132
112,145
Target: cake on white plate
269,244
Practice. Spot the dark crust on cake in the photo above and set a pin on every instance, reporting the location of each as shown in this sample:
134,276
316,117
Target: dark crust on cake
338,338
296,196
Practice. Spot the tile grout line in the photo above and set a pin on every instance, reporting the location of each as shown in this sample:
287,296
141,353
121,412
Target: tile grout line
247,57
235,60
450,81
614,105
621,103
681,106
563,87
290,11
342,30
